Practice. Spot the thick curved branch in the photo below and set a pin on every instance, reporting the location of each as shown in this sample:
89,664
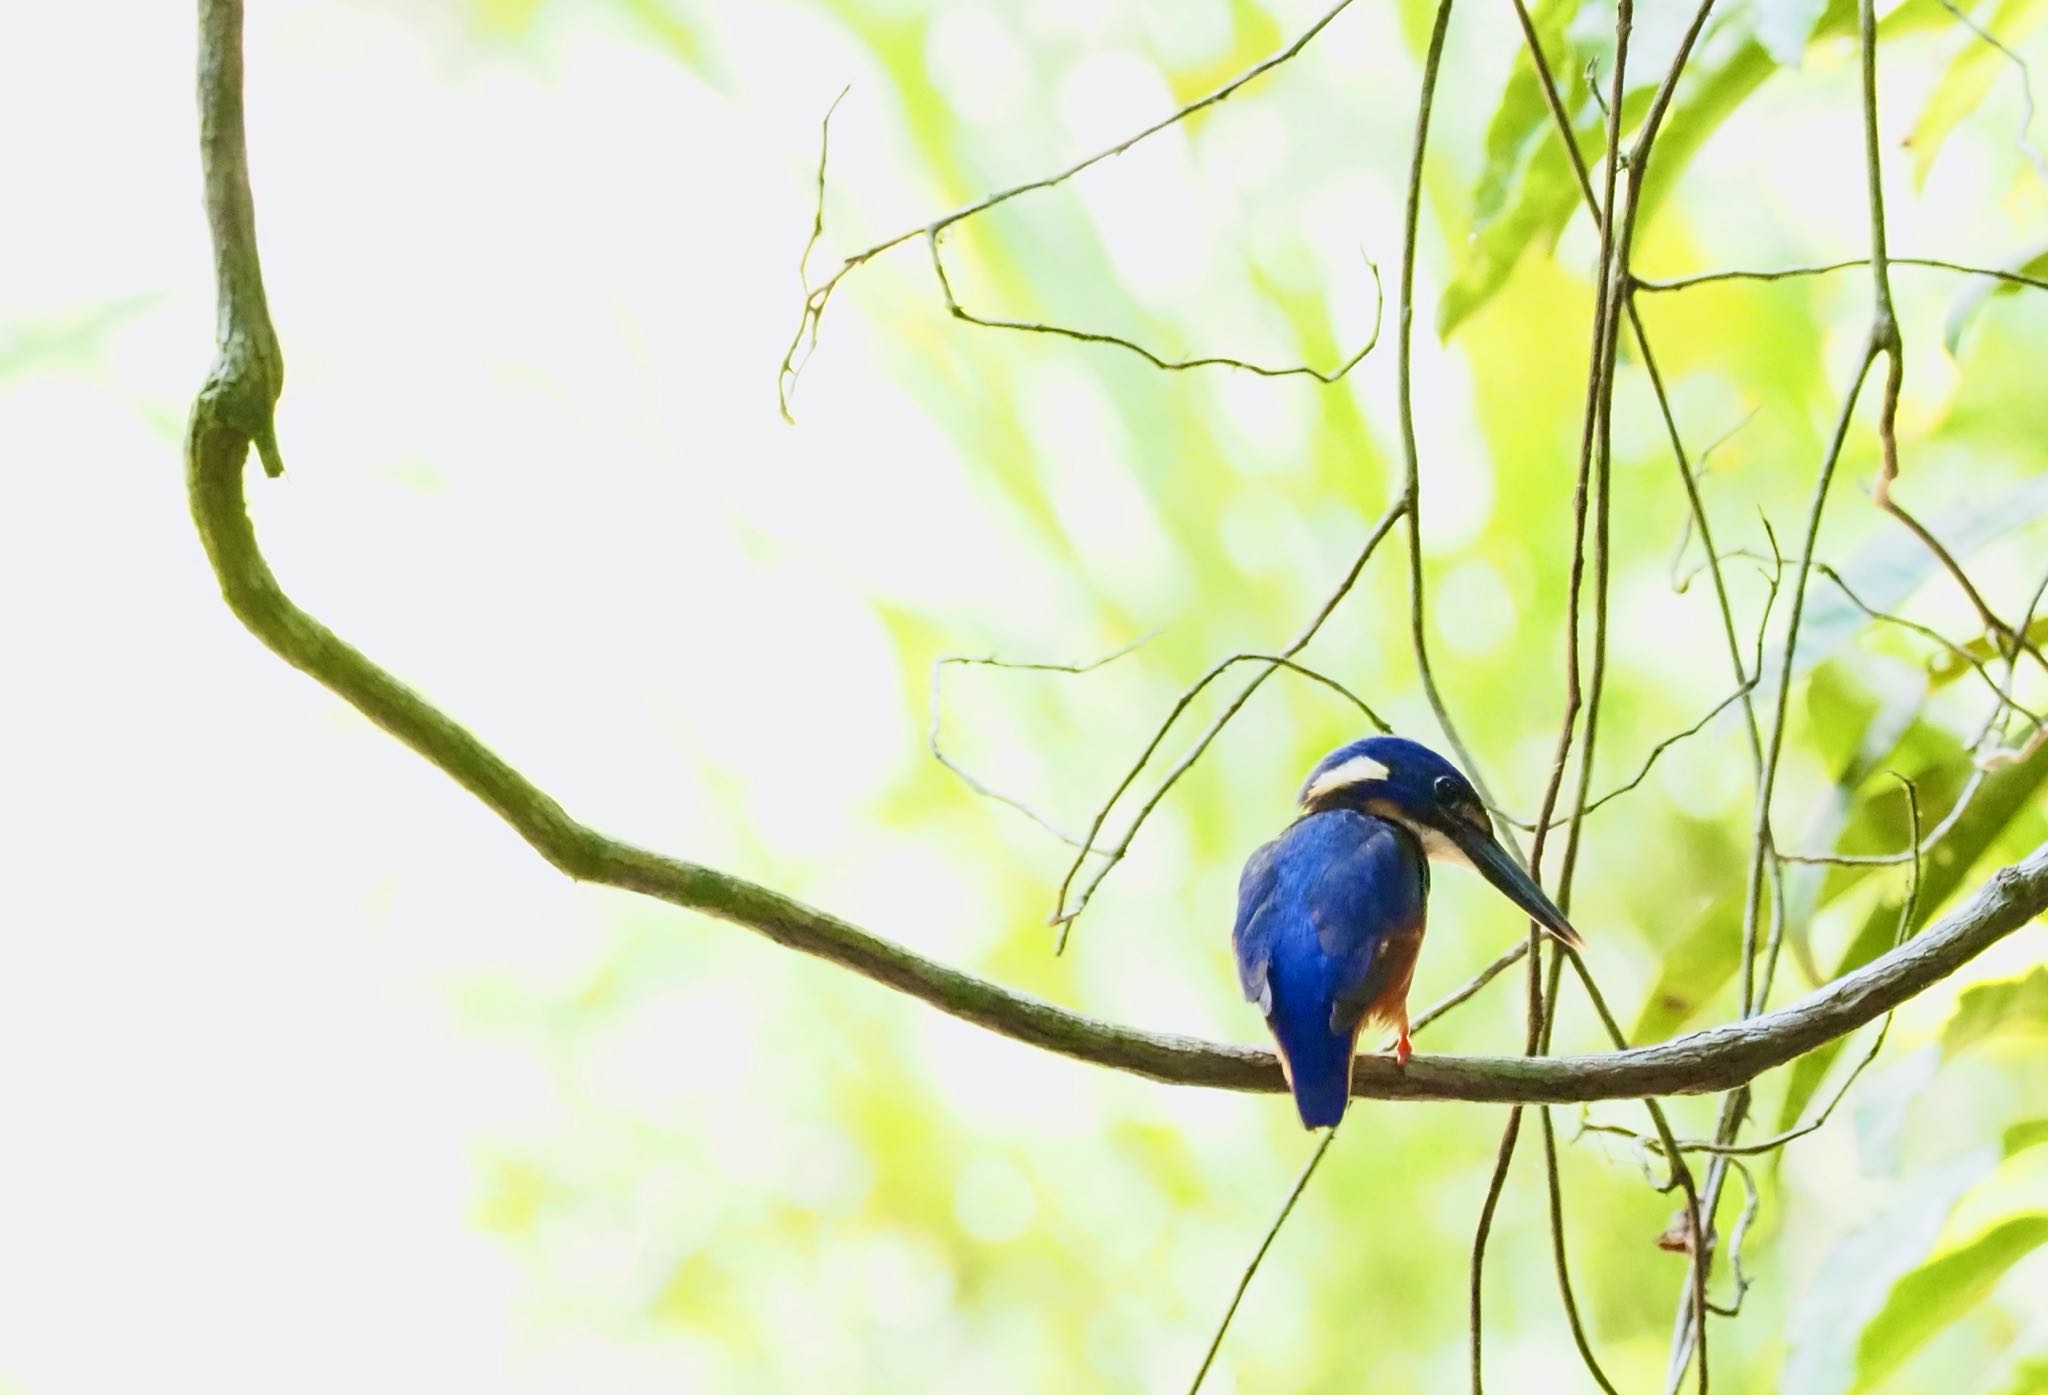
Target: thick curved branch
232,414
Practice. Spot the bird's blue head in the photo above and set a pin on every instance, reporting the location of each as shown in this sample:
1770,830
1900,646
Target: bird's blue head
1406,783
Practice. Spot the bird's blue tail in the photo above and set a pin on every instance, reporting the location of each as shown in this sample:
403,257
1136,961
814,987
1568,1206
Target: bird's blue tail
1318,1065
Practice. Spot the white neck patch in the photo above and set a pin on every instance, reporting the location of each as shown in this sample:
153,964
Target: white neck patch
1437,845
1356,771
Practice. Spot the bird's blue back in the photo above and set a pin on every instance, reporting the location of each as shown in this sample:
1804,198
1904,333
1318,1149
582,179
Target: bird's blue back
1324,913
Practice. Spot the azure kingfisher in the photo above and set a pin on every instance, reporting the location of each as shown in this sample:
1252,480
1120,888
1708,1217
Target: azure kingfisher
1330,913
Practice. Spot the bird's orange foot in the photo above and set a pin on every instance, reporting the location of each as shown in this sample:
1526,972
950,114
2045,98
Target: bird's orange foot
1402,1049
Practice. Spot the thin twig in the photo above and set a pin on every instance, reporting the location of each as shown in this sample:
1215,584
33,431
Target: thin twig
2021,139
1649,761
816,298
1592,456
1063,914
1266,1243
1689,1339
1505,960
1928,632
803,263
1682,283
1169,365
1698,476
1561,1263
1404,397
968,777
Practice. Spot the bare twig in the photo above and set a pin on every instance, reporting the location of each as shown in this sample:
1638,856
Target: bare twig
1410,502
1266,1243
1698,476
1086,847
1170,365
1682,283
1928,632
1063,914
1505,960
817,297
1649,762
968,777
2022,138
803,263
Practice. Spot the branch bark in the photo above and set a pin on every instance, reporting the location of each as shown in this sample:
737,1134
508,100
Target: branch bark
232,415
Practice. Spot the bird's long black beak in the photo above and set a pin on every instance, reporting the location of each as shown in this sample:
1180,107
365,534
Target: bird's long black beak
1497,866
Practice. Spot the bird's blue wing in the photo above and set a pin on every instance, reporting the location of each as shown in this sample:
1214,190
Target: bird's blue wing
1317,904
1258,920
1365,902
1343,883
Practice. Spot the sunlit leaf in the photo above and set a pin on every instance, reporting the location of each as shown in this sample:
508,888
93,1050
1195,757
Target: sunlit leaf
1543,204
1980,289
1987,1009
1940,1292
1968,80
2003,796
1537,209
1887,571
1861,732
1860,1273
1948,666
2020,1137
1523,117
1696,966
2030,1377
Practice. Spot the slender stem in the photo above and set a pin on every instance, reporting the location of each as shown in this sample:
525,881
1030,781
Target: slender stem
816,298
1681,283
1404,393
1244,1281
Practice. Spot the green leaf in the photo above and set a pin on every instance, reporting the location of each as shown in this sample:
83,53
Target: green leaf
1968,80
1706,957
1940,1292
1510,219
1695,968
2023,1136
1522,119
1913,17
1979,289
2008,1005
1947,666
2004,795
1544,201
1893,565
1861,1268
2030,1377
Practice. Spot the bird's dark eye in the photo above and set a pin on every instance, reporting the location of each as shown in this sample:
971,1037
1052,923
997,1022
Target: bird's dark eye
1447,789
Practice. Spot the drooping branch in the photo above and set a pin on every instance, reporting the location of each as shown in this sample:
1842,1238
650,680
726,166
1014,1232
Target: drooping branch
232,415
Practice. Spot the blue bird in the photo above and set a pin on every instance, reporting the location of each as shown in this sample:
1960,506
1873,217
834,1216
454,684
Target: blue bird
1330,914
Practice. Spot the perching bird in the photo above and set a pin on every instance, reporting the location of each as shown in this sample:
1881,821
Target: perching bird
1330,913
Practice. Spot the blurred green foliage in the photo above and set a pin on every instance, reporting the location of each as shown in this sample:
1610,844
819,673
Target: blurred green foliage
824,1187
1221,509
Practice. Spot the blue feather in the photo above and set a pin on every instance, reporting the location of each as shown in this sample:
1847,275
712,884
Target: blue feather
1327,919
